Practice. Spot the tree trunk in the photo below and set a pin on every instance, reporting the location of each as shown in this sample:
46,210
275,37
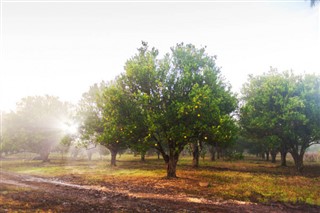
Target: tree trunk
75,153
298,161
213,156
158,153
172,165
268,156
263,155
89,154
218,153
195,155
143,157
283,158
113,157
273,156
212,151
44,156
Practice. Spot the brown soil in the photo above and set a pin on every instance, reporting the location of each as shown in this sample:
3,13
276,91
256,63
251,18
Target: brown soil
71,194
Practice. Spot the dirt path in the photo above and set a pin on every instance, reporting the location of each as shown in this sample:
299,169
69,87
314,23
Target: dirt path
38,193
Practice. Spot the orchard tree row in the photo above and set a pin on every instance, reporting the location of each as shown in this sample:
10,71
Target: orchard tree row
172,103
280,112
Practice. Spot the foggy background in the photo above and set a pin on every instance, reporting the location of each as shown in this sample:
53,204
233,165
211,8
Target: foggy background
61,48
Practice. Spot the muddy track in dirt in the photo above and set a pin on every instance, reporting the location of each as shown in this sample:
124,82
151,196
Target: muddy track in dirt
39,193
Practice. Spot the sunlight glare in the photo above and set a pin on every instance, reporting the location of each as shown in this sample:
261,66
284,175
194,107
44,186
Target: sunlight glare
70,128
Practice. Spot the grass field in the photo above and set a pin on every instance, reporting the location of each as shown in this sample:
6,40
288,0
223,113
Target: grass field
251,179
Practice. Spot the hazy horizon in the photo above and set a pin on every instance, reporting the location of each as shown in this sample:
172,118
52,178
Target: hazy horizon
61,49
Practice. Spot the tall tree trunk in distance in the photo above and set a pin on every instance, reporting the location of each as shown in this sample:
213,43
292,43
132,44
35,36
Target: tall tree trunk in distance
273,155
89,154
212,151
195,155
44,156
213,156
45,152
283,153
75,153
268,156
143,156
158,153
263,155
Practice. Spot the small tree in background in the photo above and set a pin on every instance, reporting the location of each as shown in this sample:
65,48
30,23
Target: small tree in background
40,123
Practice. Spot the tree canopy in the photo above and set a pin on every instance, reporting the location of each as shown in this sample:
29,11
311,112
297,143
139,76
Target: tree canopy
160,103
182,95
285,108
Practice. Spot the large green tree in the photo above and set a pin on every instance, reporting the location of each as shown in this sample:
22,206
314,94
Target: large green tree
93,127
285,108
124,123
181,95
261,96
89,114
110,116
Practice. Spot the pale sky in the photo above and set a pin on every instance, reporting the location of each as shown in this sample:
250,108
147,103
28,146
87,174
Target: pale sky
61,48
